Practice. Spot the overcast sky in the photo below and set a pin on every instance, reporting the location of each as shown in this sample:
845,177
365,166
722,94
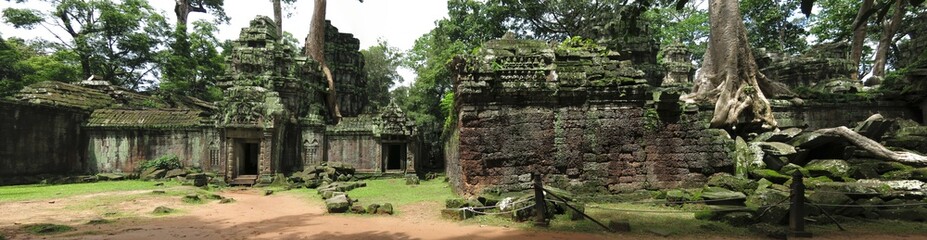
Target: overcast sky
399,22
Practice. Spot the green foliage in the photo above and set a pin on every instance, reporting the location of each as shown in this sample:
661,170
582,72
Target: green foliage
380,63
193,65
688,26
834,22
46,228
113,40
561,19
164,162
23,63
22,18
775,25
447,106
578,43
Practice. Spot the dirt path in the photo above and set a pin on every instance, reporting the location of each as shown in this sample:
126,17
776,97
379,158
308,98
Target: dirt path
282,216
279,216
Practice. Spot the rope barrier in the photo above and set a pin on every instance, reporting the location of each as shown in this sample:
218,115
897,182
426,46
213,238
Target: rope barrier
684,211
858,193
869,205
498,213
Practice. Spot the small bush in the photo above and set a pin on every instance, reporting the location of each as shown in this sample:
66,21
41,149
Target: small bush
164,162
47,228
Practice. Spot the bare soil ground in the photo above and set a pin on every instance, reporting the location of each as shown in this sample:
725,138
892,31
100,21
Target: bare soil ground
278,216
253,216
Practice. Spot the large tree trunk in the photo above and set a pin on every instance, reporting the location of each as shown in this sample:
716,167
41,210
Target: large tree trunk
278,17
182,10
859,36
888,33
873,146
315,48
729,76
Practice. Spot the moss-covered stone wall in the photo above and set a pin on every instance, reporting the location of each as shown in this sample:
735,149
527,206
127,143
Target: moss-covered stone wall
579,115
37,140
124,150
817,114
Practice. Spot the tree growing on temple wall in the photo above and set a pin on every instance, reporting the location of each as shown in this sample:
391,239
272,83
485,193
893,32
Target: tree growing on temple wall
729,76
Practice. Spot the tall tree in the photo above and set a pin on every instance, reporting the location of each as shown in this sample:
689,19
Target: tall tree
729,76
112,40
26,62
278,17
381,63
859,36
315,49
889,28
183,8
204,64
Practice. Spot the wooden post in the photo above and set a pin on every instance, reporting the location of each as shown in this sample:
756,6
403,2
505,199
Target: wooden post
540,205
578,211
797,208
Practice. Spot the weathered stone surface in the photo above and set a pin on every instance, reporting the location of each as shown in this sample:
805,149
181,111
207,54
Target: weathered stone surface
833,168
372,208
574,111
717,193
779,136
731,182
162,210
748,157
338,204
110,176
874,127
776,148
860,188
739,219
456,214
770,175
386,208
412,179
358,209
812,140
175,173
790,168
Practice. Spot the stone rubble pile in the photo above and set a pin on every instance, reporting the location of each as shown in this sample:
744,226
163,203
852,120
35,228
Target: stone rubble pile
323,174
516,206
839,177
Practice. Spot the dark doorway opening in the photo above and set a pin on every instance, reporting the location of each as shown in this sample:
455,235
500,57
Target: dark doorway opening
249,159
394,157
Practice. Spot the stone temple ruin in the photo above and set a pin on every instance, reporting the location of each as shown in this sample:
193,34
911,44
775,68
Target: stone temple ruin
592,123
271,120
589,119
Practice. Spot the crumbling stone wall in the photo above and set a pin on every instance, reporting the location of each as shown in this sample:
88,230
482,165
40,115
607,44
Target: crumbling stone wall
37,140
347,66
578,115
124,150
817,114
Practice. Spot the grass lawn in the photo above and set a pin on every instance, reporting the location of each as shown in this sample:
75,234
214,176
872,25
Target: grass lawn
42,192
393,191
396,192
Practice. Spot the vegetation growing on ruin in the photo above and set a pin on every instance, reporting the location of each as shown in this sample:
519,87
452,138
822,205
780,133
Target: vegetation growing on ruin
166,162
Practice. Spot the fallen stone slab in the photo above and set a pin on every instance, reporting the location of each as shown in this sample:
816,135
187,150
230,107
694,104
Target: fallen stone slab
338,204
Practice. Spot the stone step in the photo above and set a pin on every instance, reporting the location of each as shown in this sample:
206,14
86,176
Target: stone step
249,180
